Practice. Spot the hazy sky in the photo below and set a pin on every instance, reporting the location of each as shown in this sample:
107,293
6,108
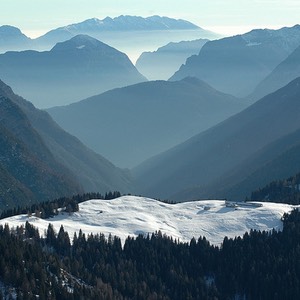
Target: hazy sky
35,17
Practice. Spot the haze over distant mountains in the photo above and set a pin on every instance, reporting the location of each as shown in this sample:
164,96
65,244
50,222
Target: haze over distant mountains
40,161
71,71
131,124
129,34
214,163
166,60
236,65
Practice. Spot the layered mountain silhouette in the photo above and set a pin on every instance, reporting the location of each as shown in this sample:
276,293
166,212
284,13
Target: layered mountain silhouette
236,65
232,158
285,72
166,60
131,124
41,161
72,70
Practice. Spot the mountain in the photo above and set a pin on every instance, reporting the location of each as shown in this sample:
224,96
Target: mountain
72,70
90,170
236,65
11,38
129,34
131,216
124,23
166,60
285,72
196,168
121,23
28,170
131,124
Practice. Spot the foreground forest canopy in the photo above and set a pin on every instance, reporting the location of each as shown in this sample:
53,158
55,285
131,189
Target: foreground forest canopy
260,265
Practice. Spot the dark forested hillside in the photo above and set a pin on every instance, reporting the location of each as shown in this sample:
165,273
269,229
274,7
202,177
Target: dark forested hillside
49,142
260,265
282,191
29,171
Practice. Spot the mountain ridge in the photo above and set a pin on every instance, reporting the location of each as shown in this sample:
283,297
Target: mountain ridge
203,159
236,64
195,106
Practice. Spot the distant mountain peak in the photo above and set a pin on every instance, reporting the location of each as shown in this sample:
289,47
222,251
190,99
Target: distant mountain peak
80,41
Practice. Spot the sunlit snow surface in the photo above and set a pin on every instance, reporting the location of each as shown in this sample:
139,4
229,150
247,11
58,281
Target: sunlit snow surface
130,215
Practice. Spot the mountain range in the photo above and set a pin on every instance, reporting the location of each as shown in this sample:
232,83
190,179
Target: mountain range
236,65
40,161
72,70
235,152
118,32
166,60
131,124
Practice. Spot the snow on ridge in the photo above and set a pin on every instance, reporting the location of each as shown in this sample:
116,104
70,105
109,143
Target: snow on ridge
130,216
80,47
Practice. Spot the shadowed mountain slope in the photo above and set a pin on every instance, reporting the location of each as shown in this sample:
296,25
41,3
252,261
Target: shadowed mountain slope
201,161
284,73
162,63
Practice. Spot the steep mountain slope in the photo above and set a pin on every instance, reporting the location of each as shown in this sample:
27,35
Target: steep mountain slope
92,171
213,154
285,72
131,124
235,65
11,38
131,216
28,170
166,60
72,70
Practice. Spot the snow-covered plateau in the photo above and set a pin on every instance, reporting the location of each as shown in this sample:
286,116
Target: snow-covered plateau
131,215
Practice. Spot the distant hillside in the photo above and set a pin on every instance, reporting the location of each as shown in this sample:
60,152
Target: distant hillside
236,65
131,124
203,166
166,60
11,38
71,71
285,72
90,170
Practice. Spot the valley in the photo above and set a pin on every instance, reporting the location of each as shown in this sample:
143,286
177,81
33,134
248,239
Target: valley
193,137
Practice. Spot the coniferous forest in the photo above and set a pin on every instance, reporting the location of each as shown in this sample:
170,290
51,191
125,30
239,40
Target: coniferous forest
281,191
260,265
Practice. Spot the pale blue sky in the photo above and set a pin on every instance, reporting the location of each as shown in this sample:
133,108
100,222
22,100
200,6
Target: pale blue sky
35,17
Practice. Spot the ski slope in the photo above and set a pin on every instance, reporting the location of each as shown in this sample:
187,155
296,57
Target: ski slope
131,215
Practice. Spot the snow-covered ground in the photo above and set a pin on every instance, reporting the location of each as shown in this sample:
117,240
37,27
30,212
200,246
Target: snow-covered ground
130,215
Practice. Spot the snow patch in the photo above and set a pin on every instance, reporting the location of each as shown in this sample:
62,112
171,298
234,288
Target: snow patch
130,216
80,47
